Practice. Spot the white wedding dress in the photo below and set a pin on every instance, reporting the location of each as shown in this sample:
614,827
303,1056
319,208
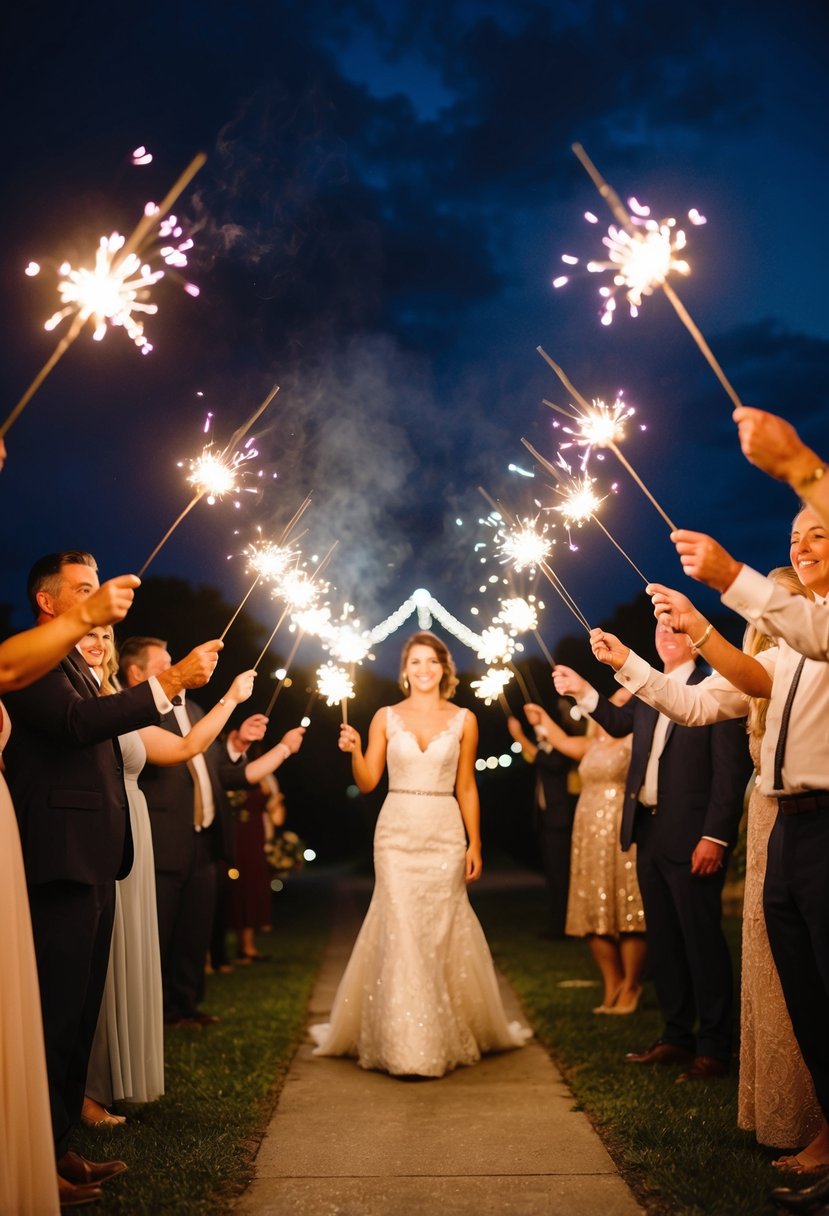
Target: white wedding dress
419,995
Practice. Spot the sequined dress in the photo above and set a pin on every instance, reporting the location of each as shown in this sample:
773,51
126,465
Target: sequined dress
419,995
604,893
776,1098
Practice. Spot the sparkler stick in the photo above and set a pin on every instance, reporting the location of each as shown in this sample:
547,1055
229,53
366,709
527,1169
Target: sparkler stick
504,703
544,649
610,443
287,666
623,217
613,541
311,702
171,530
143,228
525,692
248,594
271,638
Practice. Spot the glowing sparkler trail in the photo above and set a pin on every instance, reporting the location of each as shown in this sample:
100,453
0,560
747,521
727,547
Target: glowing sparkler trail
118,287
610,444
642,256
214,477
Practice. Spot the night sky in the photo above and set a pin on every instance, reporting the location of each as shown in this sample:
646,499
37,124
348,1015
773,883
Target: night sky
388,192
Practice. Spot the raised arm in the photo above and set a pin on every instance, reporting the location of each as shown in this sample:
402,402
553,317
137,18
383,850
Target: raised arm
270,761
368,768
572,746
466,792
27,656
164,748
675,610
775,447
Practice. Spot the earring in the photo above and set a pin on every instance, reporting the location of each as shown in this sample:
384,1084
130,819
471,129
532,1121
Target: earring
405,683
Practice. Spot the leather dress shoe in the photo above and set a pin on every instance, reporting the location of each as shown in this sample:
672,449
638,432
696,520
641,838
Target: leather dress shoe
76,1168
660,1052
808,1199
703,1068
73,1196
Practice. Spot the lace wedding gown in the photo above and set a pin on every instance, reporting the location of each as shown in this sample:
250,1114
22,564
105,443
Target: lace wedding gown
419,995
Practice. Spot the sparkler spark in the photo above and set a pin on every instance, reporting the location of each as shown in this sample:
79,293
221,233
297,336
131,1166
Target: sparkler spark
602,426
495,645
517,615
490,687
525,545
334,684
215,473
348,644
299,590
117,287
269,560
580,501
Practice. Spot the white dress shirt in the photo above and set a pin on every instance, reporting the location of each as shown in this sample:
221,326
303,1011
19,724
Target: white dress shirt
773,610
198,768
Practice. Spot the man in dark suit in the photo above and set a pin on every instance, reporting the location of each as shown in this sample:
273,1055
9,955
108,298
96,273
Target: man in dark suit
65,773
554,807
683,802
192,828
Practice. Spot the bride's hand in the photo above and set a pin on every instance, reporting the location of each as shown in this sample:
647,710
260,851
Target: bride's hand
349,739
474,863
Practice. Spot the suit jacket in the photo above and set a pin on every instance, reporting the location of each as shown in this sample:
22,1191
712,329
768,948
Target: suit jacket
65,772
169,794
703,771
552,770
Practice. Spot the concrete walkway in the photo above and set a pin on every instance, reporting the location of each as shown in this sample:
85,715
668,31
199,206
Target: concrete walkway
500,1137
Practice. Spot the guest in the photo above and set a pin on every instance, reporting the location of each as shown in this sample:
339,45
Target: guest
604,904
192,829
28,1183
683,802
553,811
64,772
127,1060
261,804
776,1098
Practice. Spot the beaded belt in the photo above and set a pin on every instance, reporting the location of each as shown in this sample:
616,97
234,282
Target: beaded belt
426,793
799,804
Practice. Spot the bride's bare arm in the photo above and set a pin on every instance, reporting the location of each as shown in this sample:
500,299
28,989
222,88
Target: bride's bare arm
367,768
466,792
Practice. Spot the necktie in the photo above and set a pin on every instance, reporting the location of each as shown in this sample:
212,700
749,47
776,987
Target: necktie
780,750
198,805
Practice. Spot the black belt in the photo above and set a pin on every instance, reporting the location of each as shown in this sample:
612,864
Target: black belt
799,804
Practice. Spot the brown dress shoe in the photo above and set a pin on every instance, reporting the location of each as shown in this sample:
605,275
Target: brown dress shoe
704,1068
76,1168
660,1053
72,1196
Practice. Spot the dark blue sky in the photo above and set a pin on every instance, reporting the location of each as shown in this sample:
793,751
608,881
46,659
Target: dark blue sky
388,193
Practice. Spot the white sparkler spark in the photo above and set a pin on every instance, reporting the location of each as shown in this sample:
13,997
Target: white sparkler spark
517,615
525,546
580,502
299,590
490,687
269,560
334,684
347,644
495,645
215,474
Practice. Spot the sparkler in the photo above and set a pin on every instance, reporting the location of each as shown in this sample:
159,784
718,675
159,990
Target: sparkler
269,560
609,443
214,474
642,254
117,289
526,540
518,615
491,686
276,627
580,504
335,684
495,645
287,666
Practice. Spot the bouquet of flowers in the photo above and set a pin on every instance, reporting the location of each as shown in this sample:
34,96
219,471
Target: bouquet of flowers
285,852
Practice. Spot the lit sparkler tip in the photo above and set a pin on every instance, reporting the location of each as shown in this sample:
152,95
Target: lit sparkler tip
525,546
334,684
579,503
491,686
517,615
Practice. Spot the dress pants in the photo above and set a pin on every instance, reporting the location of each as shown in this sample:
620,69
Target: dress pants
72,928
796,904
554,849
186,900
688,957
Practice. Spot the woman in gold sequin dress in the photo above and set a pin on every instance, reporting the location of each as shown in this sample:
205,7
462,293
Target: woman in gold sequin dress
419,995
604,904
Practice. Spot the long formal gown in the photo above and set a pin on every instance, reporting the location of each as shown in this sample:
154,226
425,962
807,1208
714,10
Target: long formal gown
127,1062
776,1097
419,995
28,1181
604,892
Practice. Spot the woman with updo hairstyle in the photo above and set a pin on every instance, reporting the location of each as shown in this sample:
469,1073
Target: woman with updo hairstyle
419,995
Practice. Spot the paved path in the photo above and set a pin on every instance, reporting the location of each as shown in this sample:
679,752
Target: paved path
501,1137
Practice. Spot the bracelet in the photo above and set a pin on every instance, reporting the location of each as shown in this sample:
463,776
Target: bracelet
221,700
704,638
287,750
813,478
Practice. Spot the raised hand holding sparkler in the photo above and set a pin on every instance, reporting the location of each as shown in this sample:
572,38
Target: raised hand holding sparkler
642,254
335,685
117,287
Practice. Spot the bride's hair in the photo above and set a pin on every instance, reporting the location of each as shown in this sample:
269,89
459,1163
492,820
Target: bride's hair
449,680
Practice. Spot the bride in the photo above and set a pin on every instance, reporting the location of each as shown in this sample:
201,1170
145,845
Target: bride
419,995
